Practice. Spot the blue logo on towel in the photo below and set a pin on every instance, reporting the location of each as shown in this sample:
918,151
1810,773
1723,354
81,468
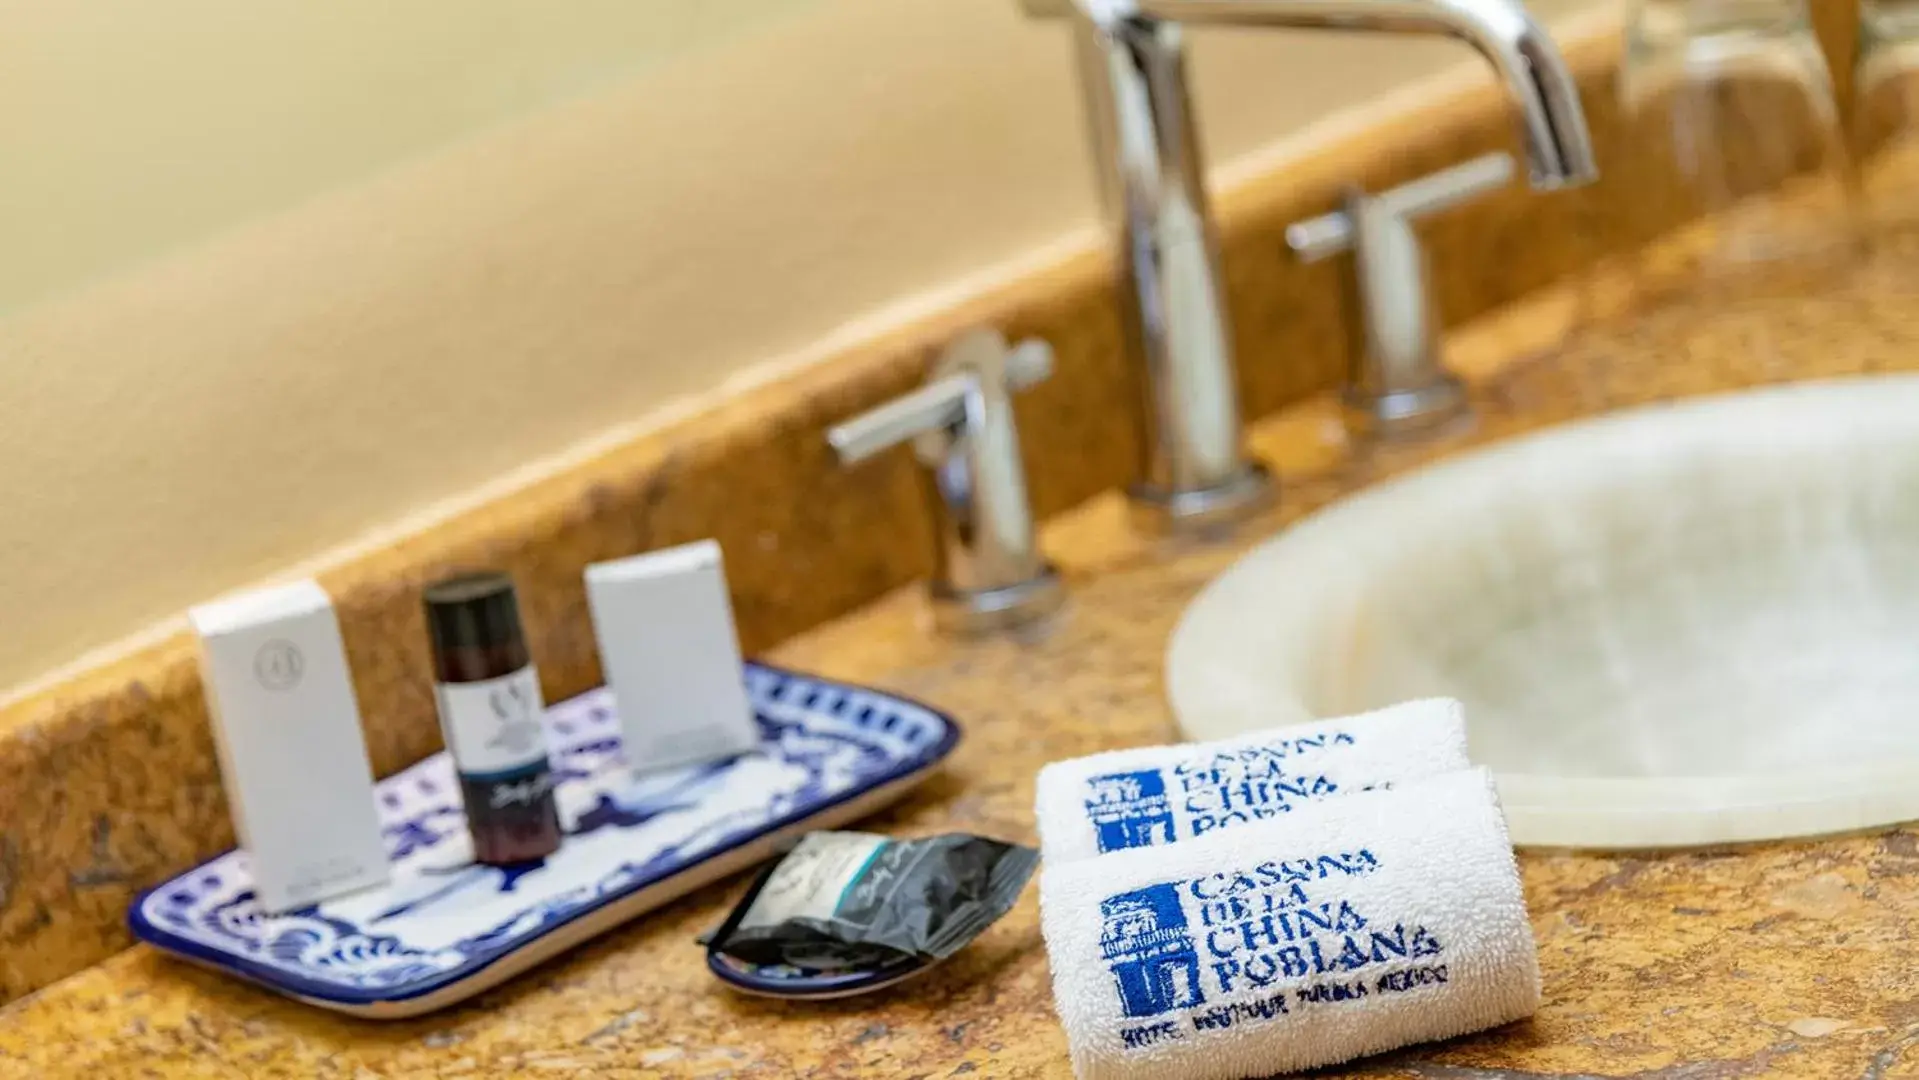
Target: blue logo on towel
1144,940
1130,810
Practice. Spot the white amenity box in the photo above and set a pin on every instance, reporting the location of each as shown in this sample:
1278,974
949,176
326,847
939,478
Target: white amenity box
672,657
291,750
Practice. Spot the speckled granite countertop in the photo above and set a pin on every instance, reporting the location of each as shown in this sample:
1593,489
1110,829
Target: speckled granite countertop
1792,959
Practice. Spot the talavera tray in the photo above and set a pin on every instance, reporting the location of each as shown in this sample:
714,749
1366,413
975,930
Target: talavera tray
445,929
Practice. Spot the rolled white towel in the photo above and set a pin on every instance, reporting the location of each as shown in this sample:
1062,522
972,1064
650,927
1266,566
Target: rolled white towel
1351,927
1165,794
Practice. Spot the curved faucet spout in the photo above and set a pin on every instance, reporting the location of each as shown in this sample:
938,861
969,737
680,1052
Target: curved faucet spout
1558,148
1196,475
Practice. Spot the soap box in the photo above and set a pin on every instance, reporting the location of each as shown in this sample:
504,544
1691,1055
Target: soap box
671,656
287,729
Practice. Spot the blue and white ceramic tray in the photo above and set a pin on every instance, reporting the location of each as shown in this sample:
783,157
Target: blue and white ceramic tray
446,928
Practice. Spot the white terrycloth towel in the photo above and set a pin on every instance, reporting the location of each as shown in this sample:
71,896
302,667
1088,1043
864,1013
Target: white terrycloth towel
1166,794
1347,928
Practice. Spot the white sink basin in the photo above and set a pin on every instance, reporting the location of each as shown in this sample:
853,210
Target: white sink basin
1685,624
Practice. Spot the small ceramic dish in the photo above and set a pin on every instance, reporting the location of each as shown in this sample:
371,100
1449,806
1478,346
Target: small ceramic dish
808,984
445,928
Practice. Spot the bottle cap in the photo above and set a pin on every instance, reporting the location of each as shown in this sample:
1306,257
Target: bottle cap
474,611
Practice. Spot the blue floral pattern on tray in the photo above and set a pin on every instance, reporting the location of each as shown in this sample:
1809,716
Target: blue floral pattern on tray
442,917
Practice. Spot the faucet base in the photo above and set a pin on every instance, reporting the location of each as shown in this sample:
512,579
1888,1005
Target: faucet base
1162,512
1436,408
973,612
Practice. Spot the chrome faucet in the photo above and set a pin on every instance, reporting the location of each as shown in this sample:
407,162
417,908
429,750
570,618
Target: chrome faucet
1132,62
1397,385
990,573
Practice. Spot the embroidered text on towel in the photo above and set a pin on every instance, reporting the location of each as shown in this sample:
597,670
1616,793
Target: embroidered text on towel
1255,943
1249,783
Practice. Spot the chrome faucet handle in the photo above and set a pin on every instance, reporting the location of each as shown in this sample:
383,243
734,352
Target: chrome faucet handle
1397,385
1329,234
990,573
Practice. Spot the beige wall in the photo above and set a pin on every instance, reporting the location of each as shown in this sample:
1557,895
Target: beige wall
361,339
131,127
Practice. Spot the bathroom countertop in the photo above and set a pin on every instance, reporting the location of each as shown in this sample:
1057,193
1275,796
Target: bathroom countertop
1793,958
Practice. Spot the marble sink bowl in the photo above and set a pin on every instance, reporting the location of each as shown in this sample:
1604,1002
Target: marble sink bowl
1686,624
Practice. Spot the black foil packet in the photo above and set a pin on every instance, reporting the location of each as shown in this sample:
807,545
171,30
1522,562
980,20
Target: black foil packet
853,901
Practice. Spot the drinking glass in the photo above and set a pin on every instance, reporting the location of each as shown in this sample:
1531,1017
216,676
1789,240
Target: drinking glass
1734,132
1886,114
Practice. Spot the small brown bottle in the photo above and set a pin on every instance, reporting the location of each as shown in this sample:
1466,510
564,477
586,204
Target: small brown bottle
489,697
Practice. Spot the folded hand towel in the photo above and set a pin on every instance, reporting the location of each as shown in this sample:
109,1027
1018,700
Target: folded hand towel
1350,927
1166,794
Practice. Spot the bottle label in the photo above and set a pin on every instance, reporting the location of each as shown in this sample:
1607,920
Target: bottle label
508,793
493,726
